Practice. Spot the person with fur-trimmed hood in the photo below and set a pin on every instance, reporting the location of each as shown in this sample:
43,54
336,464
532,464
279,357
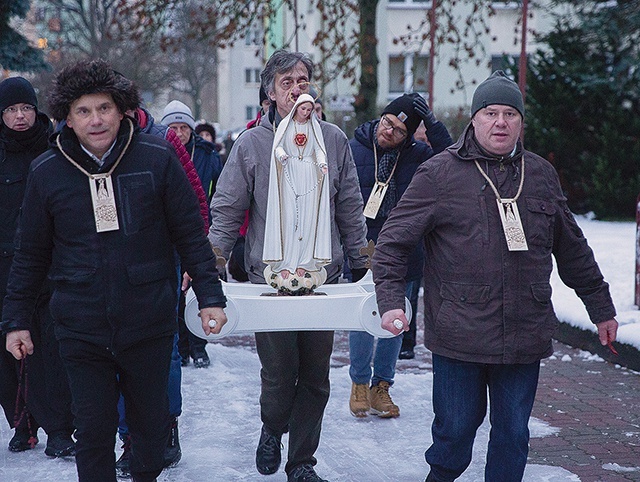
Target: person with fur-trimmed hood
105,210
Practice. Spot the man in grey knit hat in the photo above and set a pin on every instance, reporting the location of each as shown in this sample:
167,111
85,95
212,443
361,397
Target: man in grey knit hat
490,215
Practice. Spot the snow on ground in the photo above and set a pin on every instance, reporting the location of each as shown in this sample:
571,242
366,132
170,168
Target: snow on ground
220,424
220,427
614,245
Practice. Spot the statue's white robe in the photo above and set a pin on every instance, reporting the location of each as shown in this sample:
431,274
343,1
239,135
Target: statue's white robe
298,228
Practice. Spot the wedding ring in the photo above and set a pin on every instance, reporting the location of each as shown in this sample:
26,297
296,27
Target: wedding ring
212,323
398,324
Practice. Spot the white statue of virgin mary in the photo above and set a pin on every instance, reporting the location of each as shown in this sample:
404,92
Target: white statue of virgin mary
297,241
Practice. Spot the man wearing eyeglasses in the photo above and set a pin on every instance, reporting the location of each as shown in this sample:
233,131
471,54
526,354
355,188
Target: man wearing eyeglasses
24,134
295,364
387,156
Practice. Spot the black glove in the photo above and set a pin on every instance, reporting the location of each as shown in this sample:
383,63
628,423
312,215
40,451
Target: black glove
423,110
357,274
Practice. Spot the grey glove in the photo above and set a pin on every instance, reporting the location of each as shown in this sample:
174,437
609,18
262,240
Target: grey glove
422,109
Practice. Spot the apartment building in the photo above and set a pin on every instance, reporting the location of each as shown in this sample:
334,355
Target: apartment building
403,67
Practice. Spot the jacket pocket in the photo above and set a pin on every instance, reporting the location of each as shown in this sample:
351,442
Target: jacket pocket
75,296
540,220
465,317
138,200
464,292
72,275
541,292
538,322
143,273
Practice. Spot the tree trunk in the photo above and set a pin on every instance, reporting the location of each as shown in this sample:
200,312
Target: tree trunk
366,99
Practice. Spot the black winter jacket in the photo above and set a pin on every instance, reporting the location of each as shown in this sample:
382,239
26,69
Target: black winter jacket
118,287
17,150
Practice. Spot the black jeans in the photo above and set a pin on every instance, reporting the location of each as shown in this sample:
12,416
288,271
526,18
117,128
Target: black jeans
96,377
295,388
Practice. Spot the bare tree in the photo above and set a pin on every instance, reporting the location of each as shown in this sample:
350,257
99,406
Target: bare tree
102,29
346,40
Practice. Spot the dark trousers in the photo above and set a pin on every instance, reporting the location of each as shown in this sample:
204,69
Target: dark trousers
412,292
189,345
96,377
48,398
295,388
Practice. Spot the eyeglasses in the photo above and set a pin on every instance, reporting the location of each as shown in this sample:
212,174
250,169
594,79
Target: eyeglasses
289,84
397,132
25,109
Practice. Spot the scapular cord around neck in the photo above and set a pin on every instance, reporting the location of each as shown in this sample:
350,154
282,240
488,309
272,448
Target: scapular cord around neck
493,187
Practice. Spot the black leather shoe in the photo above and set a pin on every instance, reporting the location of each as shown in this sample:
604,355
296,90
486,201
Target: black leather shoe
200,358
60,445
304,473
122,464
22,441
406,355
268,454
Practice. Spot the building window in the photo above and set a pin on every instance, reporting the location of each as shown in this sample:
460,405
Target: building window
252,76
253,36
408,73
251,112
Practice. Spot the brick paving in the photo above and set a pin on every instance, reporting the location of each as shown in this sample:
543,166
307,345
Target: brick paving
596,406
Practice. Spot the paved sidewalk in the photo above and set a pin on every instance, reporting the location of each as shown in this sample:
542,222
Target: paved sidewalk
596,405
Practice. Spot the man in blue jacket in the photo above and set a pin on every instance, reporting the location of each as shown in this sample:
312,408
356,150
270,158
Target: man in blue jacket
386,157
105,210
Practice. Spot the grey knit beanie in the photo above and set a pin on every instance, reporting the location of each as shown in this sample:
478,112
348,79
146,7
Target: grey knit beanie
497,89
176,111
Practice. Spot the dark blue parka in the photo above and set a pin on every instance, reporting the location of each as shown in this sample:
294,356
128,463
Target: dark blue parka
412,154
207,162
111,288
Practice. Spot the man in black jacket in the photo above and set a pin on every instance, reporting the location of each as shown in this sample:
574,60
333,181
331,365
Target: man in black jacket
104,212
24,134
